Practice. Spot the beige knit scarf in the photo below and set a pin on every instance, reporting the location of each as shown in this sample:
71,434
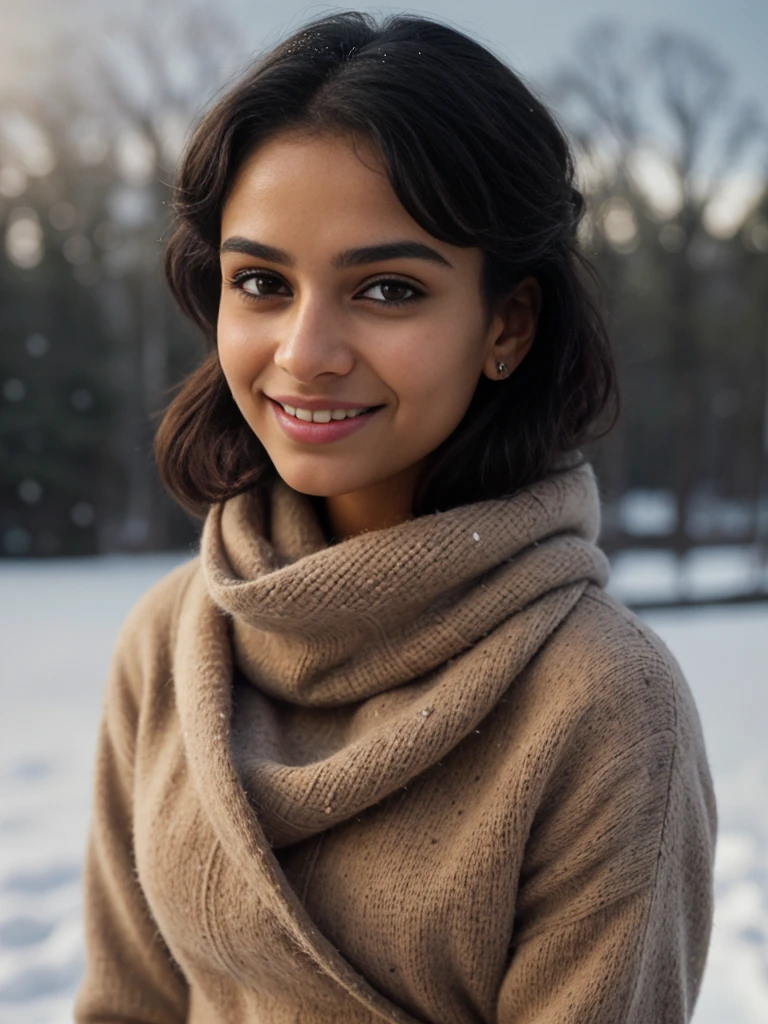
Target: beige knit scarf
358,665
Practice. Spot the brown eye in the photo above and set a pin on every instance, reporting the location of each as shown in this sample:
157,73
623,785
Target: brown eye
393,292
260,285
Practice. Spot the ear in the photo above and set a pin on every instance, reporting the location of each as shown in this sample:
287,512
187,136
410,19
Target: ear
513,328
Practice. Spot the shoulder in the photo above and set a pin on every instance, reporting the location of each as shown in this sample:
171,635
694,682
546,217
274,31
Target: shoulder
146,636
624,800
141,659
612,663
650,692
617,693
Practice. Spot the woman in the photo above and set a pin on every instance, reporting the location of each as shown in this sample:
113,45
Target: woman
386,750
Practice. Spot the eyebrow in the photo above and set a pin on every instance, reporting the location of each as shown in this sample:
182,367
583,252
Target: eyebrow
349,258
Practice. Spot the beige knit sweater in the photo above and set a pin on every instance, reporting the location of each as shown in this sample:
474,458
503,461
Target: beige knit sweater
430,773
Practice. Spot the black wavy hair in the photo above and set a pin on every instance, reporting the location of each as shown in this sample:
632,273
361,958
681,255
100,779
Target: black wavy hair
477,160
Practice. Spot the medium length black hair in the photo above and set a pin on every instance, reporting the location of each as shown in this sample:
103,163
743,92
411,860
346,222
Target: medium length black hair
477,160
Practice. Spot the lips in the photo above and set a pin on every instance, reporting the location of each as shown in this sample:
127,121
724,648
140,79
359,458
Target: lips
321,433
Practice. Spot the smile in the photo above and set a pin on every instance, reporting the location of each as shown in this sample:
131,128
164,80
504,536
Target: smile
323,415
321,425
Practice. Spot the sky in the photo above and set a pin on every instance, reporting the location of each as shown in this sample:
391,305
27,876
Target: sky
535,36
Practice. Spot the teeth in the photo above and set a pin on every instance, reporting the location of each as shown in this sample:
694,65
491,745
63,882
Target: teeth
322,415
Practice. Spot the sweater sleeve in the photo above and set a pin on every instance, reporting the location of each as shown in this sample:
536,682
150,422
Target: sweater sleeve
617,898
130,976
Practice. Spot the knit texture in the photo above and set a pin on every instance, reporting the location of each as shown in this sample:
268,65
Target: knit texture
430,773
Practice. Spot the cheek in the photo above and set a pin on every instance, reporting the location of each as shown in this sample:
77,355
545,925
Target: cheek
438,369
240,353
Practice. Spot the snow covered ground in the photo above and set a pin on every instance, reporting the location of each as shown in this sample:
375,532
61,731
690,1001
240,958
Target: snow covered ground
58,623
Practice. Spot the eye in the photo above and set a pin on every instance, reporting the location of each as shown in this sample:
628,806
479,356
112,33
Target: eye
391,291
257,284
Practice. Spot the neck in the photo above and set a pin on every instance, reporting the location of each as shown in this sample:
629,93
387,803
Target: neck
383,504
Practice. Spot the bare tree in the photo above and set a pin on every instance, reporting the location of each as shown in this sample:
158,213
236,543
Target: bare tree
670,96
138,84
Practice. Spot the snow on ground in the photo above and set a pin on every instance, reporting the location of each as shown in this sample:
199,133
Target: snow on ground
58,623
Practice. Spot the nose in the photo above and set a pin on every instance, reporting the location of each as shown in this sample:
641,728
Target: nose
311,339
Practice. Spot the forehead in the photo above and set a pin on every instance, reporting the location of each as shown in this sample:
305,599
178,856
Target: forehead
298,150
322,192
317,195
294,179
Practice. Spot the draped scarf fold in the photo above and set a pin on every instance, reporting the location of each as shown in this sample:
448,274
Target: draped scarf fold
355,666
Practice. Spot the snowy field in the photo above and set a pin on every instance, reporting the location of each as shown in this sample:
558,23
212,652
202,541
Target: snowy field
58,622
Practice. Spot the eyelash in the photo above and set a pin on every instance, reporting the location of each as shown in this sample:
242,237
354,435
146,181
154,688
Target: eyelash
237,280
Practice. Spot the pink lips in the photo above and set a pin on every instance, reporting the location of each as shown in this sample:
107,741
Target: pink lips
319,433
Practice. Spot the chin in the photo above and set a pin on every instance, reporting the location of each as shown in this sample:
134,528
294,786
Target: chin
318,483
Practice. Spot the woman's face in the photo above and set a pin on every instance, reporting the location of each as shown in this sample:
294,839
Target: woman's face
334,297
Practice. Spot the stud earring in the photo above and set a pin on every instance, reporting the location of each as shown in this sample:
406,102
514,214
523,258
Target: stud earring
501,369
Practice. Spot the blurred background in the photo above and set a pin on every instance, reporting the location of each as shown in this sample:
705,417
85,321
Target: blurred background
668,112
